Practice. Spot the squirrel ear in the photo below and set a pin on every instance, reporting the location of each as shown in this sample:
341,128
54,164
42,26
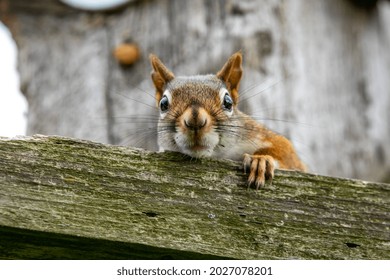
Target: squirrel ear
161,75
231,74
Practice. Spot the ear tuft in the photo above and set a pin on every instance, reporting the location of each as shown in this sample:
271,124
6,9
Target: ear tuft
161,75
231,74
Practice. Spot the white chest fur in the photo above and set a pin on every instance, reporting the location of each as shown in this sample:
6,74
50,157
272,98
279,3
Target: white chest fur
234,147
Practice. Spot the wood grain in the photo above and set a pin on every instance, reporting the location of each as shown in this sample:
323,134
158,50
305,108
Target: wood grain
68,198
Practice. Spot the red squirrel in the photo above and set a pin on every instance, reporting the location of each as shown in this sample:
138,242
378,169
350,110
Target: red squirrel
199,118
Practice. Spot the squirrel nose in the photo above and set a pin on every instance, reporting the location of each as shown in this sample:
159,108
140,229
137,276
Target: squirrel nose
195,118
195,124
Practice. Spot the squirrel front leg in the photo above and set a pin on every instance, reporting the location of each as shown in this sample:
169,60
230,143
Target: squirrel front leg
279,154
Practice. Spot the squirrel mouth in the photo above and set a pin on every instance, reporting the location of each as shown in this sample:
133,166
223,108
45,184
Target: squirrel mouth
198,148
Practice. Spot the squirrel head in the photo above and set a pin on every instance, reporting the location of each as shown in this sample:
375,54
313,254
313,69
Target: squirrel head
193,108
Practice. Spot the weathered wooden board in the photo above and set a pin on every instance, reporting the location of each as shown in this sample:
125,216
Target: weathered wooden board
67,198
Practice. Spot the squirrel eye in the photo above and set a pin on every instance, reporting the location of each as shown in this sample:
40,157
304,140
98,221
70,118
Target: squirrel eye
227,102
164,103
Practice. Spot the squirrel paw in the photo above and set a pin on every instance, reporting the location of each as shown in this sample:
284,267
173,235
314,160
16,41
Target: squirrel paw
260,167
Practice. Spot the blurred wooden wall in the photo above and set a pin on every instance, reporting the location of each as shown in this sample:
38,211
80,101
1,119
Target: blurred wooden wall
315,71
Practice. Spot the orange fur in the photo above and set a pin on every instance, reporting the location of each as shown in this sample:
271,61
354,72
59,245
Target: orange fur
283,151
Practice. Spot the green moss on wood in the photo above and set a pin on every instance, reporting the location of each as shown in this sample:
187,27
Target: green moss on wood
61,186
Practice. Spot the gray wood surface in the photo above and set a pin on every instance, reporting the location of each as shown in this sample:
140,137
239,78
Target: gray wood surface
328,62
68,198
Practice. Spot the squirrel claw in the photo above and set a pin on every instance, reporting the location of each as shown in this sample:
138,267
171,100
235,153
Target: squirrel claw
261,169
